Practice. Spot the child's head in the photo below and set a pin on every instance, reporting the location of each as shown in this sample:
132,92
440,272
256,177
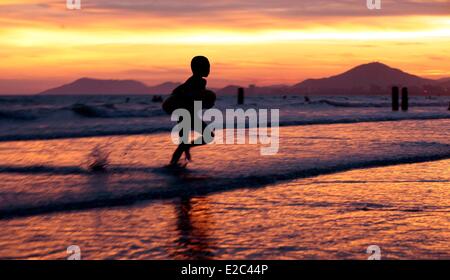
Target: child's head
200,66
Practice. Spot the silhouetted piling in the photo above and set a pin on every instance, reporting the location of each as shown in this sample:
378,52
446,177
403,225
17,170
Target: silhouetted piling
395,99
405,99
449,106
240,96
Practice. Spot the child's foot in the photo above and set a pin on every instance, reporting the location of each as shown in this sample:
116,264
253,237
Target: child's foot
187,153
178,165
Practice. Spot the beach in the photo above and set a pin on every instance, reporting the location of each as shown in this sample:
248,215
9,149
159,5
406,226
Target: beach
330,192
230,132
403,209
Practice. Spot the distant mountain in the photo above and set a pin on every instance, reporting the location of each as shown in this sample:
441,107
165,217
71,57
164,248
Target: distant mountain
164,88
255,90
232,89
445,84
443,80
87,86
372,78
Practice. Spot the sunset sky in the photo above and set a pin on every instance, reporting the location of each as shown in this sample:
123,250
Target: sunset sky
248,42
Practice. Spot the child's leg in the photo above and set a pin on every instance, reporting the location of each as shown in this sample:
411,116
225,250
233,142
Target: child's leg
187,153
180,149
185,148
193,143
178,153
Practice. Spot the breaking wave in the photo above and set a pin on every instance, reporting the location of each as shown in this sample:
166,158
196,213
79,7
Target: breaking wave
375,104
189,185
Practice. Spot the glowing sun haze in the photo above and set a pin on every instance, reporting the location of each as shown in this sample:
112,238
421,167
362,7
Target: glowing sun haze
254,41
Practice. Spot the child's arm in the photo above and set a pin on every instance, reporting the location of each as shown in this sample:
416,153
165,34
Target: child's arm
179,91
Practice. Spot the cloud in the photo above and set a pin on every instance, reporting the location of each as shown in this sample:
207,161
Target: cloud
226,11
282,8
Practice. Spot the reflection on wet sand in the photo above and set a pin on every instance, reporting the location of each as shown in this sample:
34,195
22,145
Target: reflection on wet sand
193,224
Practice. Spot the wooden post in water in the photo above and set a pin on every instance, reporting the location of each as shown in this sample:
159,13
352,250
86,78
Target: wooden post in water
240,96
405,99
395,99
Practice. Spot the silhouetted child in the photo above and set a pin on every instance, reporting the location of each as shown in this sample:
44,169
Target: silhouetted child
184,96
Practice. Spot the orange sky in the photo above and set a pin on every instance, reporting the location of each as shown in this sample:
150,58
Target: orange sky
262,41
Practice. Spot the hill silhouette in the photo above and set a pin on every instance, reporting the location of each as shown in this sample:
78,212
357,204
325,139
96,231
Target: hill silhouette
88,86
371,78
368,79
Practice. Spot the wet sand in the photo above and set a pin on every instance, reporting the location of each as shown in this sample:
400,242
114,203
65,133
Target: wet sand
404,209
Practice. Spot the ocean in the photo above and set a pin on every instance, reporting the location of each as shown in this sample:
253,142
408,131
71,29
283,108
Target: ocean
349,174
53,117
